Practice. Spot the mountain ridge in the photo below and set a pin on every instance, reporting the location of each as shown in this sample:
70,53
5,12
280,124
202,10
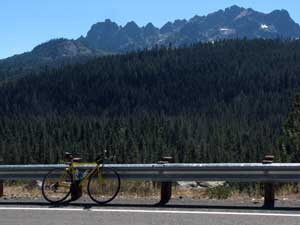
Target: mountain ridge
108,37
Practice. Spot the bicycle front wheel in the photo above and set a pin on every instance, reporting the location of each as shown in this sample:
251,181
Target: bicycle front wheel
104,185
56,185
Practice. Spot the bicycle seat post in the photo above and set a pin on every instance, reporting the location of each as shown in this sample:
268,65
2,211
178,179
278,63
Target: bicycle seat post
68,157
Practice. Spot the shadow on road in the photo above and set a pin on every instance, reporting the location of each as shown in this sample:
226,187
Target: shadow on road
144,205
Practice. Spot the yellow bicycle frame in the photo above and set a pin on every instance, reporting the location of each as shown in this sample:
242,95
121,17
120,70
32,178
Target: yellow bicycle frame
72,168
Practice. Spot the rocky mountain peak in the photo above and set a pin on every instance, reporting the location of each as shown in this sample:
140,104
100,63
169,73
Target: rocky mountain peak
108,37
168,27
150,29
150,26
234,9
131,27
197,19
180,22
280,15
106,26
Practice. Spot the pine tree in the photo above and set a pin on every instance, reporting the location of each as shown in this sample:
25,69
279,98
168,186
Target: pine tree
290,143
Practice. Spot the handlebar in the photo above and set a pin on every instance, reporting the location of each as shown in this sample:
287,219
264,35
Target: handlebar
104,156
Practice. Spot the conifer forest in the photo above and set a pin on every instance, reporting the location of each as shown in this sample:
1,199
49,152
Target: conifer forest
223,101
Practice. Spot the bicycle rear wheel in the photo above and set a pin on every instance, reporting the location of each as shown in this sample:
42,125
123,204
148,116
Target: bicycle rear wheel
56,185
104,185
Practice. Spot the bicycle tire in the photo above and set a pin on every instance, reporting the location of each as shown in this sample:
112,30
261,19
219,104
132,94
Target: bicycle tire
54,179
105,185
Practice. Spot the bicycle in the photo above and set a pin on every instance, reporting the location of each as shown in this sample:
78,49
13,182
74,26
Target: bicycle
103,183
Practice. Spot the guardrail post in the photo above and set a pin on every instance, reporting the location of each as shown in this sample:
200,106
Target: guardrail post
166,187
1,188
269,195
76,191
1,183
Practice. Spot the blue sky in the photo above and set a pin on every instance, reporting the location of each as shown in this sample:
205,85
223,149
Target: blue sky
27,23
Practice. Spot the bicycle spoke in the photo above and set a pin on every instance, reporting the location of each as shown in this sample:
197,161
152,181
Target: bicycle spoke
56,185
104,186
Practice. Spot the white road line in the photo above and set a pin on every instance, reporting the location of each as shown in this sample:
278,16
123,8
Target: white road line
151,211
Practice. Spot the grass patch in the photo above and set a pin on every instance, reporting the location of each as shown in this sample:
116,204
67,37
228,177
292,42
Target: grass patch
222,192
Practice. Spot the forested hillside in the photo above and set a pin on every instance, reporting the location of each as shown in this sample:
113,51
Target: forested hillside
212,102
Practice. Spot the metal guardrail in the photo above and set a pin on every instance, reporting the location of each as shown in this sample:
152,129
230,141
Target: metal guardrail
235,172
266,172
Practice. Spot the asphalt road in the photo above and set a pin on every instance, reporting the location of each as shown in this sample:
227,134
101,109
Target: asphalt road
37,212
